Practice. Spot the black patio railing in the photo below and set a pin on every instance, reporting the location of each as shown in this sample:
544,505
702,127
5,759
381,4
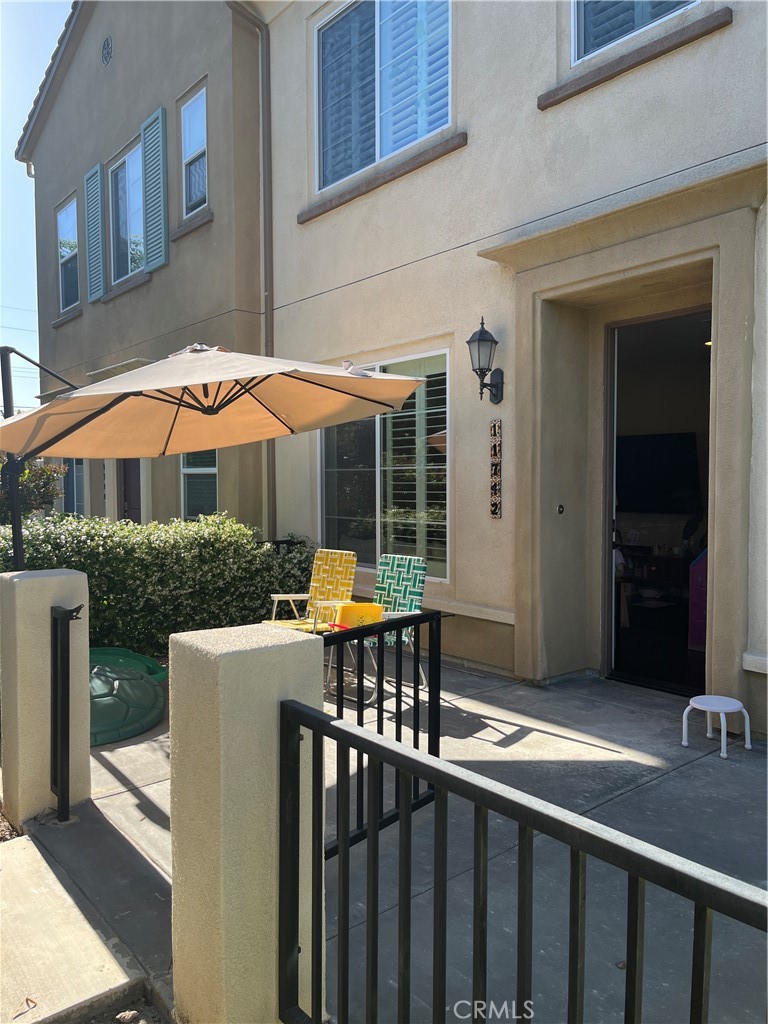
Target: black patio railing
709,891
390,653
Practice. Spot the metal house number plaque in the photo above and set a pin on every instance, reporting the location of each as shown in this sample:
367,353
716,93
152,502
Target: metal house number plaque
495,469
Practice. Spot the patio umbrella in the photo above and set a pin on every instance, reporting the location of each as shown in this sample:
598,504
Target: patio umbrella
197,399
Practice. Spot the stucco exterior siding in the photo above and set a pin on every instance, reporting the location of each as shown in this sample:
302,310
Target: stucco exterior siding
635,199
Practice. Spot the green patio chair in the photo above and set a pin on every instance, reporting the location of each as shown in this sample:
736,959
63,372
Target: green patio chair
399,589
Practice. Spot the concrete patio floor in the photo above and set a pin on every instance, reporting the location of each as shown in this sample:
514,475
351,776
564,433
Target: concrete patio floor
605,749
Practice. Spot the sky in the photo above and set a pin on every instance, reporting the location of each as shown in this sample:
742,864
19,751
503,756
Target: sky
28,35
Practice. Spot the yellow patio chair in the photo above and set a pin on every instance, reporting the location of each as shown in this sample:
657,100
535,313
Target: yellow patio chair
333,575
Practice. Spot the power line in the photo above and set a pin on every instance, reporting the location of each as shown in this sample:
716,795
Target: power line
27,330
19,309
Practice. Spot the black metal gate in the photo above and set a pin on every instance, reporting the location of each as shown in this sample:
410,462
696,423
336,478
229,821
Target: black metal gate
708,891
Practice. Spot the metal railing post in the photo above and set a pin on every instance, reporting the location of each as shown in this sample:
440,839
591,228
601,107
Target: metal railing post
434,670
60,685
288,927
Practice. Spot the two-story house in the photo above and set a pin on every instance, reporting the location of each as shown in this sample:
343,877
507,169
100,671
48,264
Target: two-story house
588,177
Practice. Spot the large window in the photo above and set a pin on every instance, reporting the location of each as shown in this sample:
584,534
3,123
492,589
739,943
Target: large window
199,496
385,478
599,23
127,216
384,81
194,154
66,229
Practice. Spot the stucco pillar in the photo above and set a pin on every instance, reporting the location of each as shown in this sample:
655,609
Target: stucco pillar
226,686
26,599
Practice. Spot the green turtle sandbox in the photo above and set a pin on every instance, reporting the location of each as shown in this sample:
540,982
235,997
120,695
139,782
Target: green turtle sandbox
126,696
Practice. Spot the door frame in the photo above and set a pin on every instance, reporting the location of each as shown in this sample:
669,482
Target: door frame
610,363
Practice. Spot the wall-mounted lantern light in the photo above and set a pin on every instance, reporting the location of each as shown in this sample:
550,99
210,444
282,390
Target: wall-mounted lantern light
482,346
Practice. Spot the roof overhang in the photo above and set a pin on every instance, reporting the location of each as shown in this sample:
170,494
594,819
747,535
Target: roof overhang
54,73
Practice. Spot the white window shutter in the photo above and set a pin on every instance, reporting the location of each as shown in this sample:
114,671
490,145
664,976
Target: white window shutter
414,70
95,260
154,178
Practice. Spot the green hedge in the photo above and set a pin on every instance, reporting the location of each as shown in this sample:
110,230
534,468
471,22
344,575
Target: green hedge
146,582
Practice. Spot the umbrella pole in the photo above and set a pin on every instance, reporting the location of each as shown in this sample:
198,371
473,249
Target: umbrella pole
14,466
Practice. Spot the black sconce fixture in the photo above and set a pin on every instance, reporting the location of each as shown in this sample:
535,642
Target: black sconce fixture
482,346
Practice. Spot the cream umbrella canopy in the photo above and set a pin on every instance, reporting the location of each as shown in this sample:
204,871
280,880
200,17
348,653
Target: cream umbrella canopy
196,399
200,398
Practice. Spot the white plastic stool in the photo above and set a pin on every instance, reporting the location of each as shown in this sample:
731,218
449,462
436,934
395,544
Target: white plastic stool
720,706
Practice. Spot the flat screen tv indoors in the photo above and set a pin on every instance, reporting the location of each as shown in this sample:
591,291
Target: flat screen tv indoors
657,473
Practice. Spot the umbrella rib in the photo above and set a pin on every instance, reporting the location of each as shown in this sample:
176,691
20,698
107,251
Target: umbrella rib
271,412
239,389
34,452
170,431
171,400
339,391
192,396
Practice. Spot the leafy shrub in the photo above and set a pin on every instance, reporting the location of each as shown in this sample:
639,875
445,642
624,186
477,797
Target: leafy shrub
39,487
146,582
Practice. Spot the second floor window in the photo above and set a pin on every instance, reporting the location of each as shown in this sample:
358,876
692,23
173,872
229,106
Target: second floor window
599,23
127,215
384,81
194,152
66,229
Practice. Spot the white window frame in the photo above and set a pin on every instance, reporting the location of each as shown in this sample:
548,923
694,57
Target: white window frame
204,149
576,59
197,471
113,167
339,13
376,367
60,262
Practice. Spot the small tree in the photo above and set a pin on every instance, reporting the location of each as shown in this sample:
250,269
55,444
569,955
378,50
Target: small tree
39,488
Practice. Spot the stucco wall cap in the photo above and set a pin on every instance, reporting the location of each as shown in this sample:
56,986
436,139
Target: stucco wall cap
39,574
234,640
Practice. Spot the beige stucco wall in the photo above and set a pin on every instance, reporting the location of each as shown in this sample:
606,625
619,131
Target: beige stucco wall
210,291
396,273
756,657
26,599
405,278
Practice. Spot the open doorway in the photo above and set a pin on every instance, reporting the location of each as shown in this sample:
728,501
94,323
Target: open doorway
129,480
661,459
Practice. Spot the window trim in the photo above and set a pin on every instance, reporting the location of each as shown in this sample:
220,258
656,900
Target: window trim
76,255
576,31
319,26
185,215
112,167
375,366
197,471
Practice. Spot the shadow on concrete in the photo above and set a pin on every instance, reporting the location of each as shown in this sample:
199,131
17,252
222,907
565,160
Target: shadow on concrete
145,805
112,876
603,749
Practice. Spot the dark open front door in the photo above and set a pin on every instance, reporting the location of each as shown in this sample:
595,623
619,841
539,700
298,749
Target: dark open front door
661,472
130,488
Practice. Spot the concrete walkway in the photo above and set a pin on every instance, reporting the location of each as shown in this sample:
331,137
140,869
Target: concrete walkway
604,749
